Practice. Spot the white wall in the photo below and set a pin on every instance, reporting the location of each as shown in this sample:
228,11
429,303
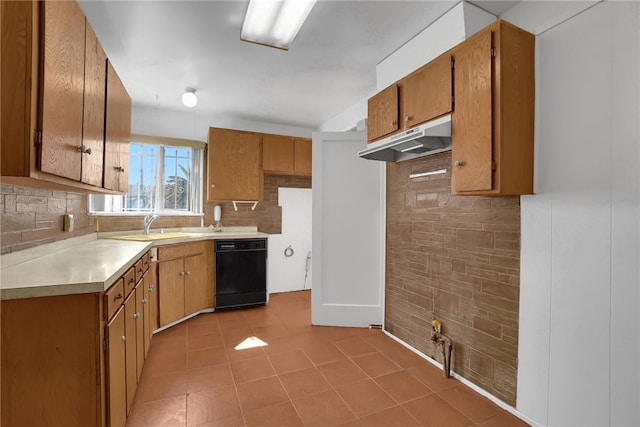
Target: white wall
579,340
192,125
288,273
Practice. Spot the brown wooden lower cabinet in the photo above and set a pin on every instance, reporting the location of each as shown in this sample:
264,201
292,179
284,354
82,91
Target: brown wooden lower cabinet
185,280
115,371
75,360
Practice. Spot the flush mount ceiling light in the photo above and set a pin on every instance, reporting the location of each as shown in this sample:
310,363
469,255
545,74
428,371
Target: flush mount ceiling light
189,98
274,23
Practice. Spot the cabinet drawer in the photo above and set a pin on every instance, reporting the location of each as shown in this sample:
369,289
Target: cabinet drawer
139,269
129,281
182,250
146,261
113,298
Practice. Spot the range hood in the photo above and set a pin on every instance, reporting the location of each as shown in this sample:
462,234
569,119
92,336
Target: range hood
428,138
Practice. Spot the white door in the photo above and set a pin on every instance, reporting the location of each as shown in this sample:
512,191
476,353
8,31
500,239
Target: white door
347,232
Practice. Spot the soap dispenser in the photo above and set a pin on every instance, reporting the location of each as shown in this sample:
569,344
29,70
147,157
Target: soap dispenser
217,214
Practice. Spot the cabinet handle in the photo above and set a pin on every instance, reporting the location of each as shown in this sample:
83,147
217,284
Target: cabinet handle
132,280
119,168
136,316
143,301
141,270
458,163
123,338
150,289
408,118
213,186
117,297
187,273
146,264
182,273
83,149
392,123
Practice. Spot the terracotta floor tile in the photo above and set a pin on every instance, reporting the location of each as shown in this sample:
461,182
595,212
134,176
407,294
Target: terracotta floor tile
208,377
161,387
354,346
258,394
402,386
504,419
322,353
212,404
223,422
323,409
193,376
282,414
395,416
170,412
203,327
251,369
199,342
342,372
470,403
433,411
303,383
375,364
206,357
432,377
237,352
290,361
365,397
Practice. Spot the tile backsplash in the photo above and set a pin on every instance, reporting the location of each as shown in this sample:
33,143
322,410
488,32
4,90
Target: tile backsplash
457,259
31,216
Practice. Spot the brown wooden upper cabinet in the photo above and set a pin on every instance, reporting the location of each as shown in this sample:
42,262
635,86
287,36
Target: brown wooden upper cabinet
234,165
422,95
492,125
117,133
53,98
286,155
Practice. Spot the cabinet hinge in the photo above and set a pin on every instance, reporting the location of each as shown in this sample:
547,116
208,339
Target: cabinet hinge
493,52
37,140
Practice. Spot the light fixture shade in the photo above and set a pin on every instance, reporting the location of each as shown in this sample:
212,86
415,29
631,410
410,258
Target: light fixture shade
275,22
189,98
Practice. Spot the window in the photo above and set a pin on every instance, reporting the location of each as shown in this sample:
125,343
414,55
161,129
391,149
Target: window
162,179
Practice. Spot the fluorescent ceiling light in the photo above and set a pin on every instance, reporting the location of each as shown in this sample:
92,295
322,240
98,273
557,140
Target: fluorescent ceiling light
275,22
189,98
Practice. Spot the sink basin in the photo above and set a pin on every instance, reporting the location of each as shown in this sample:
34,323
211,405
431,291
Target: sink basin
149,237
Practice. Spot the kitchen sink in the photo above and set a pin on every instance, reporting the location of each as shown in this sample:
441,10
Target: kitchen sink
149,237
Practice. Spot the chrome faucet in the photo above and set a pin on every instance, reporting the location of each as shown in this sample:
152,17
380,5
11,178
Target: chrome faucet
147,222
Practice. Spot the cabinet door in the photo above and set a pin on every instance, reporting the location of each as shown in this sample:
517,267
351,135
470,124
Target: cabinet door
171,290
146,312
117,133
62,89
116,371
427,93
383,113
131,344
471,128
198,293
95,78
152,290
234,163
139,316
302,156
277,154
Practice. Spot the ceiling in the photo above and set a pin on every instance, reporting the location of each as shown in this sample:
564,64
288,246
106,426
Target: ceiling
159,48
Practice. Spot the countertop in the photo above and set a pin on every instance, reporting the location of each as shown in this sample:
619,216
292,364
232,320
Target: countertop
87,264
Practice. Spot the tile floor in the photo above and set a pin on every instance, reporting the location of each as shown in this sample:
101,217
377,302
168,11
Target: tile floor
305,376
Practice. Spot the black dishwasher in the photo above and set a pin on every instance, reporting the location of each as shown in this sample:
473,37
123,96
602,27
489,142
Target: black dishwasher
241,272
